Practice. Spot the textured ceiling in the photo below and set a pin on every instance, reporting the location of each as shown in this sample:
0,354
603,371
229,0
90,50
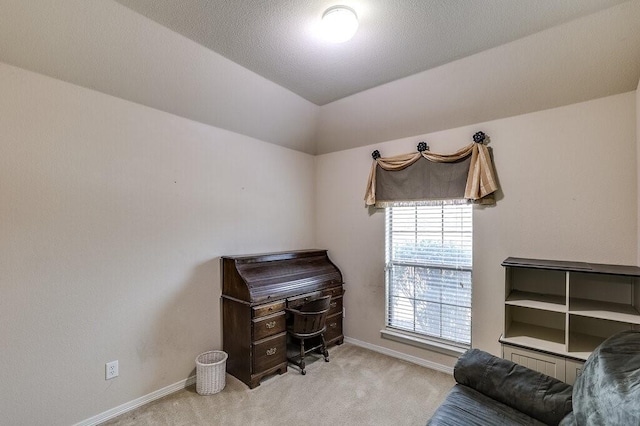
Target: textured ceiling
252,66
396,38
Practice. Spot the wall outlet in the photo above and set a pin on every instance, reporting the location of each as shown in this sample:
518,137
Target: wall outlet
111,370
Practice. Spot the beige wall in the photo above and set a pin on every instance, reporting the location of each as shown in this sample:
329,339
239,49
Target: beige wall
569,191
112,220
638,166
113,217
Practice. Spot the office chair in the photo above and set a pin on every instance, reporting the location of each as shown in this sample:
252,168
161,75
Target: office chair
308,321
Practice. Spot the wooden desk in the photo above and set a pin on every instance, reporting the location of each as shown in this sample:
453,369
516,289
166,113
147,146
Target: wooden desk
255,291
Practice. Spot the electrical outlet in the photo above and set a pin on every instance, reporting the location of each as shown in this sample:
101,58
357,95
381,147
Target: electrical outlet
111,370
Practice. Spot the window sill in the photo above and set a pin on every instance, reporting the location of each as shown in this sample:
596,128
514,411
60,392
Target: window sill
422,342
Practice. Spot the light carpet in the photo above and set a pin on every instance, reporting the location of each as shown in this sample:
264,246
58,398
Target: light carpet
357,387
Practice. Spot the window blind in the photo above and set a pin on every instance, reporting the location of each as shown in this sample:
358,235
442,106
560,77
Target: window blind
428,270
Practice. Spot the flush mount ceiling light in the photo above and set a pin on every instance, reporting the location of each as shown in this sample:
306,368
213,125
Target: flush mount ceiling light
339,24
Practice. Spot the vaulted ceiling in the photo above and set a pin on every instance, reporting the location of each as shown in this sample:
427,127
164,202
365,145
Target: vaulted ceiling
396,38
154,52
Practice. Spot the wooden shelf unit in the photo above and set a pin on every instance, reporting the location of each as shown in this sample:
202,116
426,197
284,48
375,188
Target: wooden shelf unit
566,309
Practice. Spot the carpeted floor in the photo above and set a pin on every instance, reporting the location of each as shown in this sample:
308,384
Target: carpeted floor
357,387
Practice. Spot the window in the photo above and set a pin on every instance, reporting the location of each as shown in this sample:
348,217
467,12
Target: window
428,271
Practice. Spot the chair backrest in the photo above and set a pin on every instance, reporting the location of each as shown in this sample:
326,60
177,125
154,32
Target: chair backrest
310,318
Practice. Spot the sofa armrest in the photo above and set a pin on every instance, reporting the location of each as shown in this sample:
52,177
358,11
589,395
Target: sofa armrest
535,394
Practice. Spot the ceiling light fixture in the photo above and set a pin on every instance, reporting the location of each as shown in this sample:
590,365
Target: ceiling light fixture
339,24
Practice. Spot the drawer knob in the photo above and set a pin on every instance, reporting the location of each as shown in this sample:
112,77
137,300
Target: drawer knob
333,304
333,325
271,351
270,324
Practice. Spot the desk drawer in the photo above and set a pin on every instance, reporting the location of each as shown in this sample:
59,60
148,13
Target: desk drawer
296,302
268,326
335,306
333,292
270,352
334,327
271,308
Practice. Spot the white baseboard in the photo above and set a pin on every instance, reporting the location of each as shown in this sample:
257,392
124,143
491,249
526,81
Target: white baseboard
138,402
400,355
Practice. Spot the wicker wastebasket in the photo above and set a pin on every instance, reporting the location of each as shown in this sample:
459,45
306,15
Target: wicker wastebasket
210,372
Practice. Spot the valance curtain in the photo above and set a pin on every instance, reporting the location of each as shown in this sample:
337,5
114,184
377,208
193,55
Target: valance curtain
465,174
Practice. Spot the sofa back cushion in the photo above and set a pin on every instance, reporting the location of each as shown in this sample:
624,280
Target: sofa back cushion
535,394
608,390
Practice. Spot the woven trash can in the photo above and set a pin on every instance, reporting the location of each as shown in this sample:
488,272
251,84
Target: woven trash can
211,368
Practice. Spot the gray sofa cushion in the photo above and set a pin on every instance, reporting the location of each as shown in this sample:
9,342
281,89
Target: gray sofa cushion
468,407
535,394
608,390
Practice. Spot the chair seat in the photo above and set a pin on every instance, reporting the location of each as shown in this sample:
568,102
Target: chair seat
305,335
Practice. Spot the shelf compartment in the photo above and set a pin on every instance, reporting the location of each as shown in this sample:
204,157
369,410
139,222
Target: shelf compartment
604,310
587,333
581,345
546,302
535,336
526,327
538,281
603,287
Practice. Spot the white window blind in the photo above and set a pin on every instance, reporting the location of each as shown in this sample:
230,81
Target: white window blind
428,270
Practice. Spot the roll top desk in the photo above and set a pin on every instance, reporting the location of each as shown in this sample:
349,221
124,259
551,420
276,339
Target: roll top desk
256,289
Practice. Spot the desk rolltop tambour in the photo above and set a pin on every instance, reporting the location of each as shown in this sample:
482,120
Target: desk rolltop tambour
255,291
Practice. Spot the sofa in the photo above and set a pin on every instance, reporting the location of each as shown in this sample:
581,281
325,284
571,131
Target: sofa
495,391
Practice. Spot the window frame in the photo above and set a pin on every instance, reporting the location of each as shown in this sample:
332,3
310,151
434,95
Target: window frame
423,340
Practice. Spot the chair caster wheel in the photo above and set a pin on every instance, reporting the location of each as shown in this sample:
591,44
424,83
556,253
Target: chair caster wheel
303,372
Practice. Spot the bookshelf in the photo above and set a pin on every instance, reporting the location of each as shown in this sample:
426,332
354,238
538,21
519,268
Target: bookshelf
558,312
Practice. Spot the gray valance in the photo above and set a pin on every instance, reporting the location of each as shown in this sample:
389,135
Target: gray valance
426,176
